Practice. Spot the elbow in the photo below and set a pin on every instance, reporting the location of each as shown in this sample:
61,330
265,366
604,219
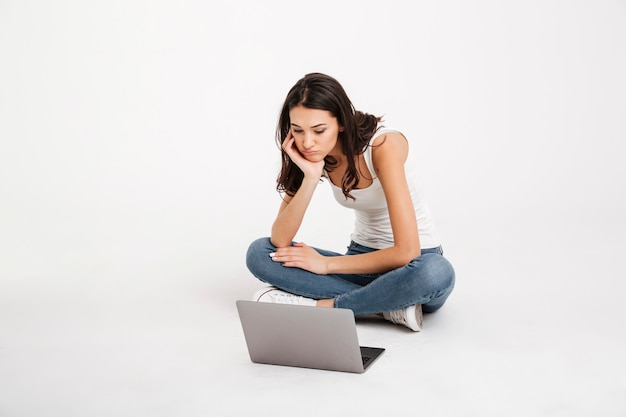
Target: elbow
406,255
278,239
279,243
405,260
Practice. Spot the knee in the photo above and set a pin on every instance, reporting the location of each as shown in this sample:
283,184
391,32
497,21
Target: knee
438,272
445,272
440,276
258,252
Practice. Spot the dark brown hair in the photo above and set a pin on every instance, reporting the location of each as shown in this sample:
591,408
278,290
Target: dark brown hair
322,92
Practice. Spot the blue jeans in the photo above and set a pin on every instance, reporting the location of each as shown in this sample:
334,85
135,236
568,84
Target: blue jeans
427,280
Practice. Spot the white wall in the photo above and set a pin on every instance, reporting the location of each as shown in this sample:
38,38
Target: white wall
137,137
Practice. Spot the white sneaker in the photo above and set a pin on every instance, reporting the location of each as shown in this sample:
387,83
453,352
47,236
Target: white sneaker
274,295
410,317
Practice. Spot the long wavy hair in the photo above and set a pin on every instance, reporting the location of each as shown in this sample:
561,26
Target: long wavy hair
322,92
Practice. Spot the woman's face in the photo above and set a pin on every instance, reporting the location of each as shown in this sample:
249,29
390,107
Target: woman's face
316,132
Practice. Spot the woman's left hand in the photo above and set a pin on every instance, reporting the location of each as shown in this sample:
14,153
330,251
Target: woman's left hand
302,256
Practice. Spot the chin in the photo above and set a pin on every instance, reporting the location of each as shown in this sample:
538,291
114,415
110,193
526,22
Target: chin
314,158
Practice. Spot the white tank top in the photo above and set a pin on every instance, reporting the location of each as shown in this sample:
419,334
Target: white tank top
373,226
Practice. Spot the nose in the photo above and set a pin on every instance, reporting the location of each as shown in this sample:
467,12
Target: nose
308,141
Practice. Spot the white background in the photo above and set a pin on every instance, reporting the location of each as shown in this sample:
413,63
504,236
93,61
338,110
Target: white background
137,161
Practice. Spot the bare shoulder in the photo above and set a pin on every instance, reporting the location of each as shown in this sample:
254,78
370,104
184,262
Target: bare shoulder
390,145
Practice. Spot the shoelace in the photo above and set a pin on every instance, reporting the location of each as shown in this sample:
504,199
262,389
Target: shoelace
398,316
282,298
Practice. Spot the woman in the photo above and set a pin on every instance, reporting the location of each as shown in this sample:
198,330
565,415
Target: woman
394,265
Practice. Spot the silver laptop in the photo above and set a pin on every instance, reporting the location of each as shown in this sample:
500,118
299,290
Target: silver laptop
303,336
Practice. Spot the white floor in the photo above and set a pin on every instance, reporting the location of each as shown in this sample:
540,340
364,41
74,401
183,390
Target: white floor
528,331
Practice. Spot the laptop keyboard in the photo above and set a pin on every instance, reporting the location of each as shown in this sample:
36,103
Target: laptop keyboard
366,359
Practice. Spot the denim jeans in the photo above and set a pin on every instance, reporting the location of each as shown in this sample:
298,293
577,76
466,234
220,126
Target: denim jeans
427,280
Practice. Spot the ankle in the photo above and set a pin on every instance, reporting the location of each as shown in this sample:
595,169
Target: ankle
327,303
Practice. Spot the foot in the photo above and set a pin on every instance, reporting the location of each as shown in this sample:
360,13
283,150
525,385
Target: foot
410,317
274,295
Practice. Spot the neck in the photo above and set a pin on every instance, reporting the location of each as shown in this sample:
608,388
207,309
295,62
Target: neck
337,154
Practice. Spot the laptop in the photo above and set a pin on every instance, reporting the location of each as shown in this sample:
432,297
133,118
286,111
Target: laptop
304,336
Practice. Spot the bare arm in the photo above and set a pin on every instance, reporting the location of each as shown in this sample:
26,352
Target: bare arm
293,208
389,156
291,214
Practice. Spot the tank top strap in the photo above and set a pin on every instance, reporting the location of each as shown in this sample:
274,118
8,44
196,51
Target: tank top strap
368,151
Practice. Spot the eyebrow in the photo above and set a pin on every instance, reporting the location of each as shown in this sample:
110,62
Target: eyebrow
313,127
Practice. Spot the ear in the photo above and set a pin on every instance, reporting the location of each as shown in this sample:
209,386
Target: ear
341,128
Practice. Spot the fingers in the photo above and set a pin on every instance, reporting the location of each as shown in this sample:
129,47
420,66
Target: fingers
313,169
283,256
289,146
291,150
288,142
300,255
288,260
294,253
